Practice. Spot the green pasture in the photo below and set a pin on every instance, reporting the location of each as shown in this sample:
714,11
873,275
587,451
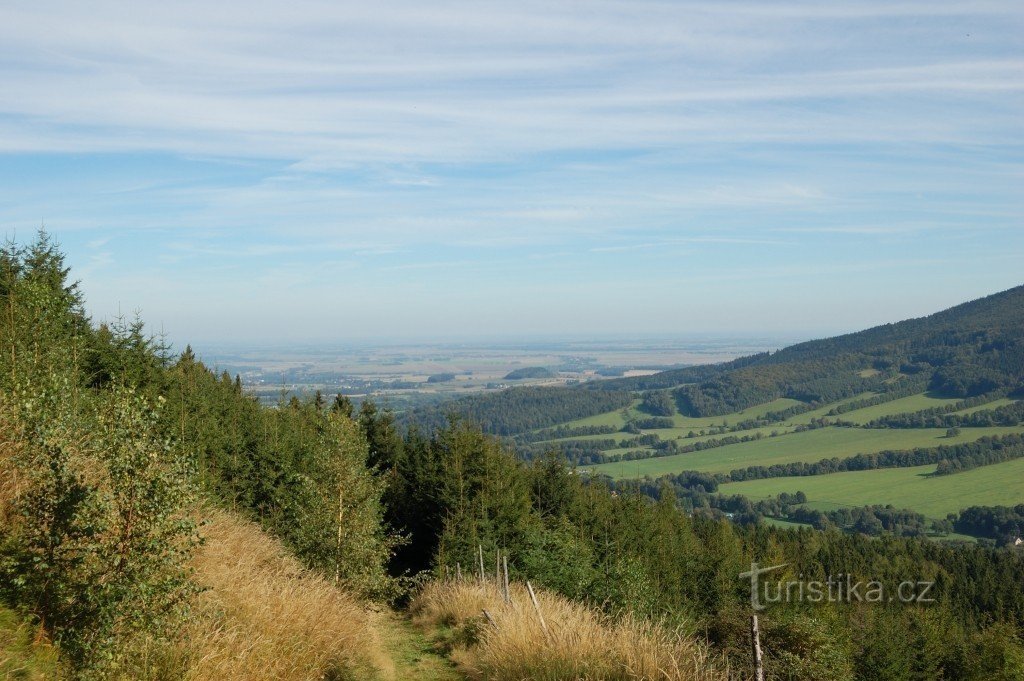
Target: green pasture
904,405
994,404
809,446
914,488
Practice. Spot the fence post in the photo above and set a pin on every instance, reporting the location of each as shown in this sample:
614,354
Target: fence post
490,619
536,606
755,639
508,596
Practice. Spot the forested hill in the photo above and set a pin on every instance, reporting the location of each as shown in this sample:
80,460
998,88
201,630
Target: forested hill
971,349
967,350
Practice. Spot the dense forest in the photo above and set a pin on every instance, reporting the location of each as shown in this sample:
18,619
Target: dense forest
115,450
517,410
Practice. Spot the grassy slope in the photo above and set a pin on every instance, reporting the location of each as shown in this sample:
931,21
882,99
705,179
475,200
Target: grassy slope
901,487
671,434
608,418
685,423
820,412
810,446
688,423
995,404
904,405
999,484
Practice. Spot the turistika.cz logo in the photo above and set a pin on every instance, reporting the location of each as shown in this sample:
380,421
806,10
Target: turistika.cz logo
838,589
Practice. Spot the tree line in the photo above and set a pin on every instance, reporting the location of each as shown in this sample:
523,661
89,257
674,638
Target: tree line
518,410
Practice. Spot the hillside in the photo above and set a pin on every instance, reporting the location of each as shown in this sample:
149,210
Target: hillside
933,397
968,350
964,351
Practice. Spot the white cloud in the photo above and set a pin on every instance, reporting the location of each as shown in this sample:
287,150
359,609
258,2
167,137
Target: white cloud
327,84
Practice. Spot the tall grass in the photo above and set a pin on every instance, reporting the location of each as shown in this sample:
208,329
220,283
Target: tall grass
264,616
581,643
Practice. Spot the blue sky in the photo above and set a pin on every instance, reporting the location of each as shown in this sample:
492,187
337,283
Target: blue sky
331,171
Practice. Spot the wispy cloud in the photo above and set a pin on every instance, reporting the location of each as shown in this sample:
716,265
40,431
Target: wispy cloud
449,151
326,84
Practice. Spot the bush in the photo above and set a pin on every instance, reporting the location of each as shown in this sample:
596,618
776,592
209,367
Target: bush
99,542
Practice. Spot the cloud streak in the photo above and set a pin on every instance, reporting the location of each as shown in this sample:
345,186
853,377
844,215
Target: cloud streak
443,153
332,84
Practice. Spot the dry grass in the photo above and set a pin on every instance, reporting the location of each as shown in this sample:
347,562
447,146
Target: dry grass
266,617
583,643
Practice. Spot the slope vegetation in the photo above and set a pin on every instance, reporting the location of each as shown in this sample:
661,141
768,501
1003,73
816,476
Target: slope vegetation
574,641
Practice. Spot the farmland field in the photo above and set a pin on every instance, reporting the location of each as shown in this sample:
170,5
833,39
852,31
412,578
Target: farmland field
609,418
913,488
809,446
678,434
686,423
995,404
903,405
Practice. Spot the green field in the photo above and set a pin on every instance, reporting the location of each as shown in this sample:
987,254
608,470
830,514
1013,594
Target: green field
784,524
685,424
608,418
809,416
904,405
809,445
681,436
994,404
913,488
688,423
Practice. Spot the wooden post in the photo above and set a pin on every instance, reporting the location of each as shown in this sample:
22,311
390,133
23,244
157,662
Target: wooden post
491,620
508,596
536,606
755,636
480,549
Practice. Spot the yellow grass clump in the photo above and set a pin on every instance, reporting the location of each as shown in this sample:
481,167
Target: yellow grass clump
264,616
581,643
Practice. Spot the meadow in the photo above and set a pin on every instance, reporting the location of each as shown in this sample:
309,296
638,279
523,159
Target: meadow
808,445
910,488
904,405
914,488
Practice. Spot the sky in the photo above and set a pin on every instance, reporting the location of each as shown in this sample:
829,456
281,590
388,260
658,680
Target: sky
317,172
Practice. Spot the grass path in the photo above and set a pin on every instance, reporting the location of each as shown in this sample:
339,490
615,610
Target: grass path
411,652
